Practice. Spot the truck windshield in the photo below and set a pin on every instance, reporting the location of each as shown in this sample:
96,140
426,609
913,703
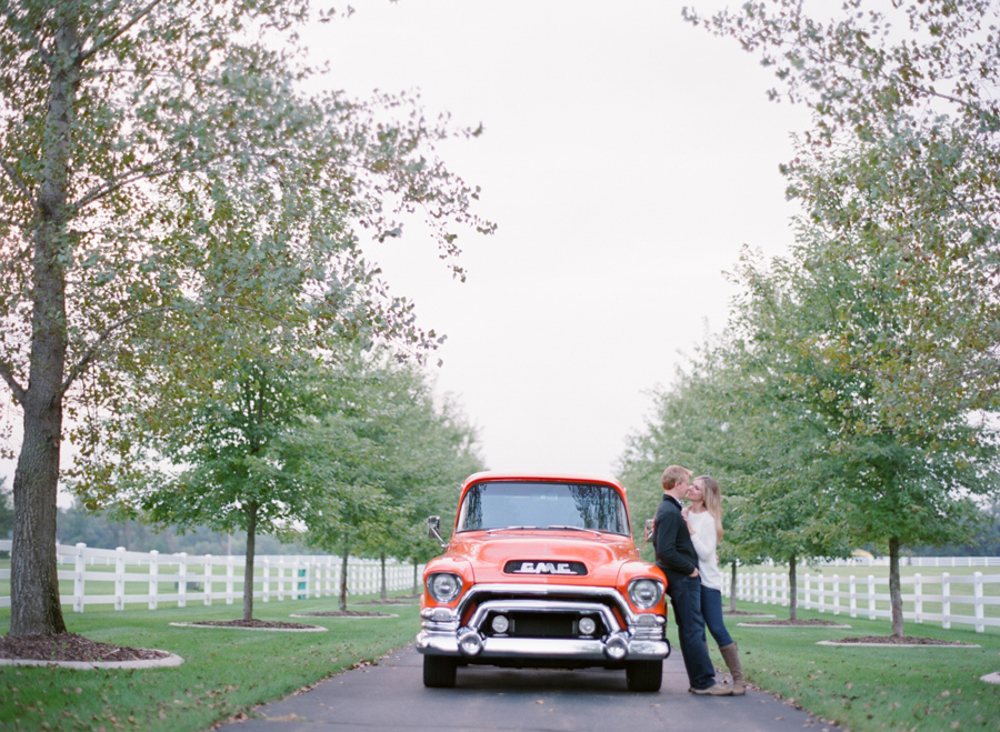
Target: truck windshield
541,505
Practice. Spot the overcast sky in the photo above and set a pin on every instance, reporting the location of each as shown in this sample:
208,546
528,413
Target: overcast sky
627,157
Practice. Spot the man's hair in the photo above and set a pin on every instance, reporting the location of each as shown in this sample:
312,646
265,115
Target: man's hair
674,475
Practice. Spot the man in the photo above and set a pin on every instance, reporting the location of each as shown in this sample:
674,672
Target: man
676,556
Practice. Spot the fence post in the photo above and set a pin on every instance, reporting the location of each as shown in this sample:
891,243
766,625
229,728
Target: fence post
918,601
182,583
835,586
229,579
977,591
821,600
79,581
208,579
120,578
852,602
946,601
871,597
154,578
265,580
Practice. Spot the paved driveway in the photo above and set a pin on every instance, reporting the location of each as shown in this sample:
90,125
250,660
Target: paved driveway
391,696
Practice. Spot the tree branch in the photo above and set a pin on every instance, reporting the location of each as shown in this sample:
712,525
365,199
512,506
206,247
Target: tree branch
84,363
18,182
130,176
101,42
7,372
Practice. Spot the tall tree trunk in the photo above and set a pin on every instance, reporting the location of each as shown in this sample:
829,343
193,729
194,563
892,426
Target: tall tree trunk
34,572
732,589
343,575
793,589
895,592
248,562
34,581
384,592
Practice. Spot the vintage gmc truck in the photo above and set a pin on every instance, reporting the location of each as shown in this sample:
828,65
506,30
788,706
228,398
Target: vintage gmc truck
542,571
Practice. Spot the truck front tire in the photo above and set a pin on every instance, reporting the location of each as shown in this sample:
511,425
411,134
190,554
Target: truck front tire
641,675
440,672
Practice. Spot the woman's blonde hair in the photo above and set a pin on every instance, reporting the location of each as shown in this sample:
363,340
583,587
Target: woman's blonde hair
712,496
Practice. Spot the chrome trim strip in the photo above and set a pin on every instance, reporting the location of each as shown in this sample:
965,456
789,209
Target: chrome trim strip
546,590
544,606
581,649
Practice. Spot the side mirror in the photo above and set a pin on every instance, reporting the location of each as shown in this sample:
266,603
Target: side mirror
434,528
648,529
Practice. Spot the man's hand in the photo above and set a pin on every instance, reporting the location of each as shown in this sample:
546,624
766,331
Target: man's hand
694,573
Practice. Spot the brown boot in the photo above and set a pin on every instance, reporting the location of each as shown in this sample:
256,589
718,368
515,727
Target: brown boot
731,655
716,689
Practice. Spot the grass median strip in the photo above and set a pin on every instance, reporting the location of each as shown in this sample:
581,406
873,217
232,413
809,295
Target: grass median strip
225,671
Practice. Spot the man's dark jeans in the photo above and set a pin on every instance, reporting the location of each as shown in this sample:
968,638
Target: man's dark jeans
685,598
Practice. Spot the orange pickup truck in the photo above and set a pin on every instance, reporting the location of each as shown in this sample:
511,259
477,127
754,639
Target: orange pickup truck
542,572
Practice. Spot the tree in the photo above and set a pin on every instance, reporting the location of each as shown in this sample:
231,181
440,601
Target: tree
823,317
384,437
236,477
166,190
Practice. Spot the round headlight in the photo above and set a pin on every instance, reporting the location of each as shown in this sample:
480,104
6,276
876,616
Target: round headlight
587,626
444,586
645,593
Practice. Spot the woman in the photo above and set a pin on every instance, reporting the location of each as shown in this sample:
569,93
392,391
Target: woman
704,515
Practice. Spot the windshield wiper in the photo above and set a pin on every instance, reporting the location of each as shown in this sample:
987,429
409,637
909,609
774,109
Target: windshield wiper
512,528
573,528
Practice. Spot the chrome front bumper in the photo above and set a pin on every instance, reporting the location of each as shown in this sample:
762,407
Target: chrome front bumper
643,638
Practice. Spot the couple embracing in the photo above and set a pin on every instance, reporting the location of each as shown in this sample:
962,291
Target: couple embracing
685,541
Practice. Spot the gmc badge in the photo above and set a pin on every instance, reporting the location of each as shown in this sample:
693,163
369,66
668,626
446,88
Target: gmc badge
541,566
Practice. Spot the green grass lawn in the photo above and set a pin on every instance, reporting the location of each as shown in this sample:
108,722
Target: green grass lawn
229,671
226,671
860,688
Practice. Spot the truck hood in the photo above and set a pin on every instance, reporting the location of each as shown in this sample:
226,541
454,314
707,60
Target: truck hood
549,553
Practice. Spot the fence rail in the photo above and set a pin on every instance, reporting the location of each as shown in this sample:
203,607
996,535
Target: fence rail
946,598
118,577
914,562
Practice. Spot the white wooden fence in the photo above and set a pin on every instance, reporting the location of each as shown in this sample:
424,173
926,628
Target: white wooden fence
119,577
946,598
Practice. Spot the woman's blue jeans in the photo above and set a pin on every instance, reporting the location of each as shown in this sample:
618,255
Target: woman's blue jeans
711,611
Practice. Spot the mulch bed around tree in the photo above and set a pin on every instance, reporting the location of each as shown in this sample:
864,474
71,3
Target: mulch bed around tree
251,624
344,614
390,601
819,623
903,640
70,647
742,613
